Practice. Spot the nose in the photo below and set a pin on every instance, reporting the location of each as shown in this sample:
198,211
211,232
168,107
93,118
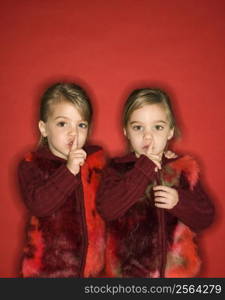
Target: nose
148,135
72,131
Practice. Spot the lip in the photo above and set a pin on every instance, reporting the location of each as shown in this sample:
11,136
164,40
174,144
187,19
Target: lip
70,144
145,147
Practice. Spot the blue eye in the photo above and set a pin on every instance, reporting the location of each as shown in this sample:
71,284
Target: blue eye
83,125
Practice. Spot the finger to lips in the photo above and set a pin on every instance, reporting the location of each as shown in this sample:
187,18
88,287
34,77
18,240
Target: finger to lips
79,153
150,149
81,161
75,143
82,153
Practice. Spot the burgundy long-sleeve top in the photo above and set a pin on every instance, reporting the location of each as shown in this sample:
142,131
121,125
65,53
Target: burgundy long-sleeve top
57,232
44,194
139,235
125,180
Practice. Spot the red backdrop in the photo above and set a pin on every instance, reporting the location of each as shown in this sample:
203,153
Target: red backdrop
110,47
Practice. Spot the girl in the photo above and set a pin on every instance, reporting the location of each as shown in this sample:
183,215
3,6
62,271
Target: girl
58,183
152,204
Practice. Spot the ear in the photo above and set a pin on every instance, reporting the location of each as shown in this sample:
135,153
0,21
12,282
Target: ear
171,133
125,132
42,128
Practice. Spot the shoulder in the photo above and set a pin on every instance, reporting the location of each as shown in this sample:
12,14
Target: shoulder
183,162
41,158
123,164
28,164
185,165
42,152
28,157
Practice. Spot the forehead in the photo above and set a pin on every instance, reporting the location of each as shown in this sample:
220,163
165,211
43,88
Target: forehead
64,109
150,112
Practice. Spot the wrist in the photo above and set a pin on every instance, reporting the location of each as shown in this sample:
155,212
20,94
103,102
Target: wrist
73,170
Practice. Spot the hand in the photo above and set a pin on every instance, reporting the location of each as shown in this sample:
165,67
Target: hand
165,197
154,157
76,158
170,154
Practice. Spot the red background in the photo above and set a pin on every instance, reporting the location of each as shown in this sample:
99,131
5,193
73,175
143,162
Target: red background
110,47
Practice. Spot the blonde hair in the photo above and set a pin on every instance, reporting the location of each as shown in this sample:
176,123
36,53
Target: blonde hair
146,96
69,92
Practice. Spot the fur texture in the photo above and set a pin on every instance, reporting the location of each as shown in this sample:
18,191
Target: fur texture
133,246
95,225
55,243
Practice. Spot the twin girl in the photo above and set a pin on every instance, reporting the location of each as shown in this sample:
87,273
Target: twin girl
136,216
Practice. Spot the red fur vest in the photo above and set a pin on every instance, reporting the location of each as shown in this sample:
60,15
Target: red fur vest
150,242
70,241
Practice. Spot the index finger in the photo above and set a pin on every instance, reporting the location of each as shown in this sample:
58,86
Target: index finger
150,149
75,143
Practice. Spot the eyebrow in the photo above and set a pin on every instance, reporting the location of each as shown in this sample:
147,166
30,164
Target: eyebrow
63,117
157,121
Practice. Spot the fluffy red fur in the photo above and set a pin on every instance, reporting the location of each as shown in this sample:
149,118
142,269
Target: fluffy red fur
95,225
33,265
54,242
185,164
182,258
132,241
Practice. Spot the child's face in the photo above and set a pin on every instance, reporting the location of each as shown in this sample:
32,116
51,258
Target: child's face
147,127
63,125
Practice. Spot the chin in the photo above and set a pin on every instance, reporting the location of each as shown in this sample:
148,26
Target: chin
138,154
64,155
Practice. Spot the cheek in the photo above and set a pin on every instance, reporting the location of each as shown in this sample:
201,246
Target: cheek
163,140
83,136
59,134
136,139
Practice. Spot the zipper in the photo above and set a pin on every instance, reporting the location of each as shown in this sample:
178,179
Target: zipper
161,232
84,231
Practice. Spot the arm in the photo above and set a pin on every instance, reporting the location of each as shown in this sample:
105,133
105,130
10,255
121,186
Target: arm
41,196
194,208
118,192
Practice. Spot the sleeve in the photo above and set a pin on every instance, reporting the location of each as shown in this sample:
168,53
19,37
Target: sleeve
118,192
194,208
42,197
